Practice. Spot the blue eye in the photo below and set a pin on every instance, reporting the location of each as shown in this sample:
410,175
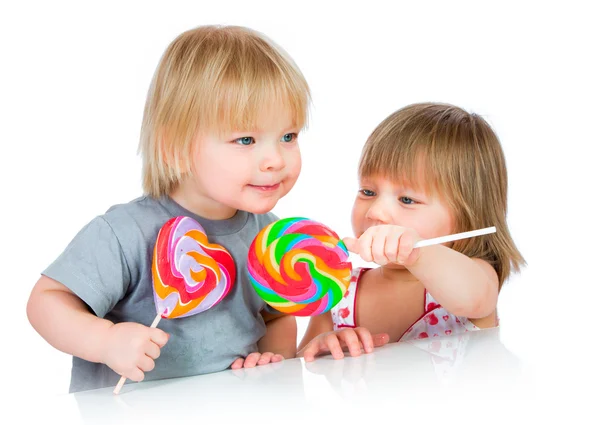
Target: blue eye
406,200
290,137
367,192
246,141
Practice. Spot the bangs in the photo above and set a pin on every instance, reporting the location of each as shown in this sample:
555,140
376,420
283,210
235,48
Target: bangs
248,77
411,162
429,147
239,101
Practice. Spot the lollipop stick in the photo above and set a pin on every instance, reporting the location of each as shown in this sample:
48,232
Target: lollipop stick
117,389
455,237
156,320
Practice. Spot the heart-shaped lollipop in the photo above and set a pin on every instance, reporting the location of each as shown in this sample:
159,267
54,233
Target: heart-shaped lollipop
299,266
189,274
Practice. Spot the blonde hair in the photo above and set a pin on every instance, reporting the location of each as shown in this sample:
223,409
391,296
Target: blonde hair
457,157
212,79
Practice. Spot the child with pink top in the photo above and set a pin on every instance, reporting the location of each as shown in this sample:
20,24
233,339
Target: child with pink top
428,170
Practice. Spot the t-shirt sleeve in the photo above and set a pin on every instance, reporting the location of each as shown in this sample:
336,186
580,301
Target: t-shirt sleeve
94,267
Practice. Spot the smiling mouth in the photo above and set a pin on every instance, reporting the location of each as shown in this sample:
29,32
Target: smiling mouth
265,188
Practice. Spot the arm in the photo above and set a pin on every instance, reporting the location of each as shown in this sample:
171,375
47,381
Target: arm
64,320
464,286
318,325
281,334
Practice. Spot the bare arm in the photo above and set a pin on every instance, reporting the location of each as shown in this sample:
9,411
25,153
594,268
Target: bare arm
280,337
64,320
464,286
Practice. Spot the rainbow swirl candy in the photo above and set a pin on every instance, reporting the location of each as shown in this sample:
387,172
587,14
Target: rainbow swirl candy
299,266
190,275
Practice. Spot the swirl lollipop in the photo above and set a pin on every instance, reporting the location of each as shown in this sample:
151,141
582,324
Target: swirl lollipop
299,266
189,274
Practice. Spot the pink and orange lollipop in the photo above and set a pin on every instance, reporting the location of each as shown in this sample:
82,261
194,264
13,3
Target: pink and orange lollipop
189,274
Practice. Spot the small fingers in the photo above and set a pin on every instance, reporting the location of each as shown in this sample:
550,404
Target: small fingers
268,357
351,244
145,363
366,339
378,247
332,343
159,337
364,248
311,350
265,358
238,363
350,339
405,247
353,339
135,375
152,350
391,245
251,360
380,339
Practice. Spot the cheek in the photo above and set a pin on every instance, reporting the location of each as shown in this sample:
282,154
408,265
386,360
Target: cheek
294,163
447,221
446,224
207,160
449,226
233,166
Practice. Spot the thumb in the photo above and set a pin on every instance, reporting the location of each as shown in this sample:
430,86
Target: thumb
159,337
351,244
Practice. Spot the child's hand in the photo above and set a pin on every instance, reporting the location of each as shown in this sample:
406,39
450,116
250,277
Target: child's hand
385,244
334,342
131,348
256,359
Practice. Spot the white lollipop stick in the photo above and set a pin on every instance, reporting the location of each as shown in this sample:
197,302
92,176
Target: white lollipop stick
117,389
455,237
450,238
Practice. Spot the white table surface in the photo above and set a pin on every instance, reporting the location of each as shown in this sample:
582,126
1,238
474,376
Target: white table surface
471,378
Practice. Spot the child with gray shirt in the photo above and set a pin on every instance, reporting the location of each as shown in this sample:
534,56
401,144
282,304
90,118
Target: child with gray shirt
219,145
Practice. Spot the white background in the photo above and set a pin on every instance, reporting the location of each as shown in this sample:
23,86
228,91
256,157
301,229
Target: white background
74,77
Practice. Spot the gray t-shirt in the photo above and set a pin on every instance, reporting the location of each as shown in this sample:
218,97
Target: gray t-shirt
109,266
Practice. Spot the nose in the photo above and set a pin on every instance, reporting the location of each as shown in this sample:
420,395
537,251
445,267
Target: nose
379,212
272,159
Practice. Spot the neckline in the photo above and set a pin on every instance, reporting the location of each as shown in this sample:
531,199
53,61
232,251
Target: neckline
212,227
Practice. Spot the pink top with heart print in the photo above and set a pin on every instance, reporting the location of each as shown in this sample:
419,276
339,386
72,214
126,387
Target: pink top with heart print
436,321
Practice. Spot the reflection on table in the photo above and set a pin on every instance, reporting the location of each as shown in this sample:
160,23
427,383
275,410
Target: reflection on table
458,370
